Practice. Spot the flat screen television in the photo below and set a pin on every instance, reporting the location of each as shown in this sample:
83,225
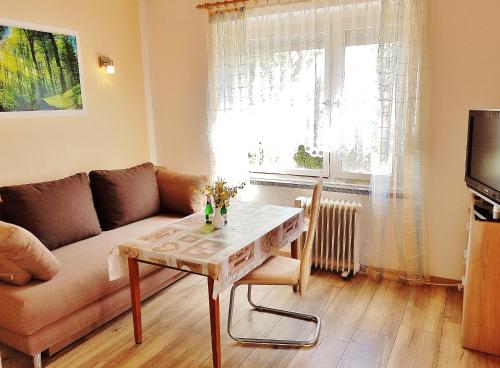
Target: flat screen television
482,172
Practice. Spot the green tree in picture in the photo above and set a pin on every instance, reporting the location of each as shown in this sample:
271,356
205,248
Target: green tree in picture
38,71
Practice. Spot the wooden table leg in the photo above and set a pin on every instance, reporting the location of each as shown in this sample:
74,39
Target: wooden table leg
135,294
294,250
214,324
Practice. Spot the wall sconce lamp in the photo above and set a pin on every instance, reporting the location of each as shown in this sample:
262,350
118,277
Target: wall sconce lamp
106,62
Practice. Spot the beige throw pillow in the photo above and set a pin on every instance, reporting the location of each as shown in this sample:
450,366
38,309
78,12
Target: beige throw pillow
177,191
12,273
22,248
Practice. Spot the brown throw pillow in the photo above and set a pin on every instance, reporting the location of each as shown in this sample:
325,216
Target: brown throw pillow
22,248
57,212
177,191
12,273
125,196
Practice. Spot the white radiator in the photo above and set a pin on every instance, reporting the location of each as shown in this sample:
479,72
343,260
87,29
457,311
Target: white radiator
336,244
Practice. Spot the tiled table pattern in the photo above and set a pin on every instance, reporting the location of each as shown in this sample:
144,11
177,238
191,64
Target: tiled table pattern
253,232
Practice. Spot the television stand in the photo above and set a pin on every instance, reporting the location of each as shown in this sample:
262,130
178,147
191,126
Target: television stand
481,309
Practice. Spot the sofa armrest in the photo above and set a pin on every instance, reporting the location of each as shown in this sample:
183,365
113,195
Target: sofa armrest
177,193
156,168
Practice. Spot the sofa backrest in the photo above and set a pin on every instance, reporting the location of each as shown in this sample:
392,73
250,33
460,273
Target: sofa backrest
156,168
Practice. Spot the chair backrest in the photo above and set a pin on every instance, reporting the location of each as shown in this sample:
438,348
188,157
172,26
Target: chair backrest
305,265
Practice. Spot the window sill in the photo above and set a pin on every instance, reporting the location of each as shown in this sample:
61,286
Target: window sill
359,189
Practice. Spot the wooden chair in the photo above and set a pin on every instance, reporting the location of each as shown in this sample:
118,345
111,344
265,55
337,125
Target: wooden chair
277,270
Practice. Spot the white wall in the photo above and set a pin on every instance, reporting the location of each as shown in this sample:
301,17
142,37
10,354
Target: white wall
464,73
112,134
177,43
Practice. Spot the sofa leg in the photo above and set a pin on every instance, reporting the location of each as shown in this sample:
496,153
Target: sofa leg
37,361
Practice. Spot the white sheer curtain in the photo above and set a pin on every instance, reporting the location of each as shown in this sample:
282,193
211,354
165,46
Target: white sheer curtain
228,96
396,182
340,76
276,80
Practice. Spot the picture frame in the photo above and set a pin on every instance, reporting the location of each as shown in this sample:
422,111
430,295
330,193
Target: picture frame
52,85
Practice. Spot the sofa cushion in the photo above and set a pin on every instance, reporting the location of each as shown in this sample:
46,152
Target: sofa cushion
12,273
177,192
83,279
25,250
125,196
57,212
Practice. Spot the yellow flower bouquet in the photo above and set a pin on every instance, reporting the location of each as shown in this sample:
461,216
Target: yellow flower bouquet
220,193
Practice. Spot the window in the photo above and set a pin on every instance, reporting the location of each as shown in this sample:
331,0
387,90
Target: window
359,112
287,118
332,89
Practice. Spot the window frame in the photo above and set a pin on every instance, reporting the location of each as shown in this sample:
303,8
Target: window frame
332,163
336,173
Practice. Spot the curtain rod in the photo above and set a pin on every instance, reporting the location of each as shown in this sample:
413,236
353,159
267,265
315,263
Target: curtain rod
218,4
226,3
232,5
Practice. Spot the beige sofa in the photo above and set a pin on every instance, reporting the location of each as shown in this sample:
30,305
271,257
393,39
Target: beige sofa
47,316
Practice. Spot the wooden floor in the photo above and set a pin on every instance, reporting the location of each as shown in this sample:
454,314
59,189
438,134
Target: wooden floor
366,323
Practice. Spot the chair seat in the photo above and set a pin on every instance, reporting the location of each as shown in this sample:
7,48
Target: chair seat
276,270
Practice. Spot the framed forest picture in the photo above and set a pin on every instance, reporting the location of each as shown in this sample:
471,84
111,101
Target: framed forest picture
39,70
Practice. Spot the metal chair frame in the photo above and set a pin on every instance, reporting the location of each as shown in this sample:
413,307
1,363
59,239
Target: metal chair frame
260,308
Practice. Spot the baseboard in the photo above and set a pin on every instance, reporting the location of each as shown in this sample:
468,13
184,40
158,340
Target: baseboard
387,273
444,281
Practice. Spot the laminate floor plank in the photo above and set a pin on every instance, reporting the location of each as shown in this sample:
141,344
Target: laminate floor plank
453,307
414,348
418,338
425,309
326,354
367,349
345,313
386,309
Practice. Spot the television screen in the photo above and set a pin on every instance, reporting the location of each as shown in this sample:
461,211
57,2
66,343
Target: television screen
483,154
